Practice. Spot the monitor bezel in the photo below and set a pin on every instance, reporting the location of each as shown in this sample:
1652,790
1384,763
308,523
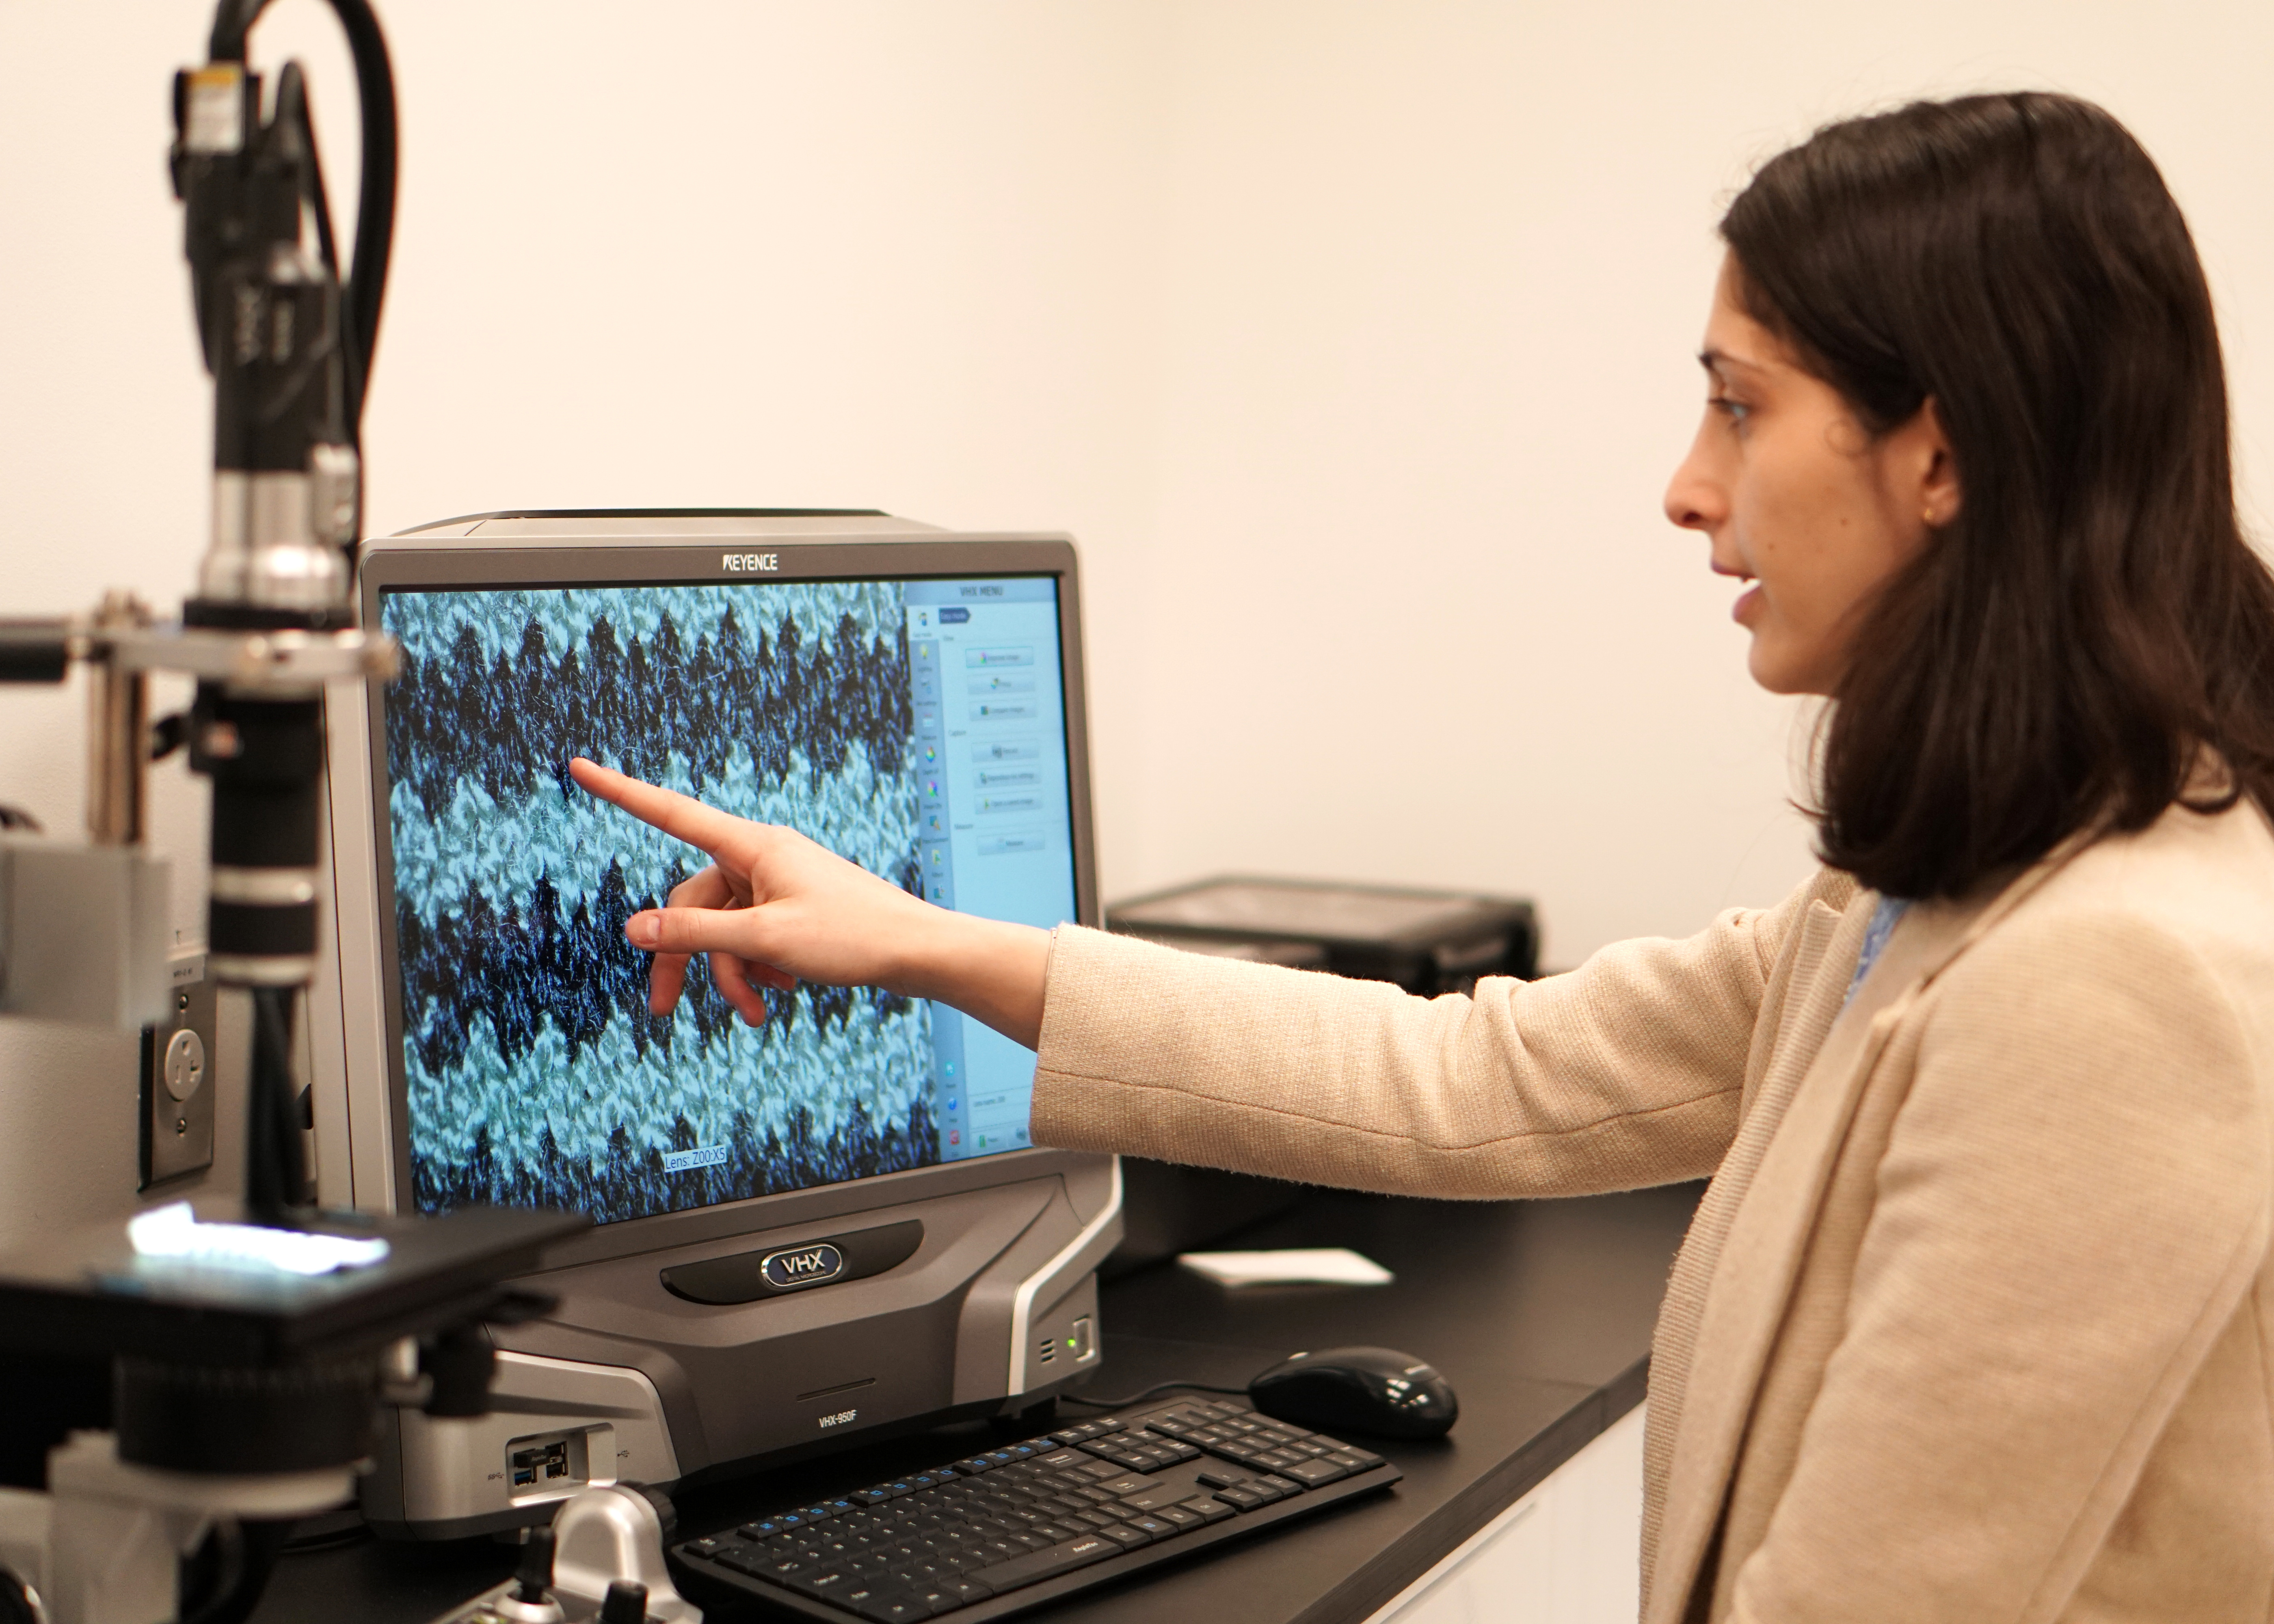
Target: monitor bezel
476,562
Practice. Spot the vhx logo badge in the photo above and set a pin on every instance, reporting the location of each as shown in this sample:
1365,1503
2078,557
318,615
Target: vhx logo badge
803,1266
839,1418
750,563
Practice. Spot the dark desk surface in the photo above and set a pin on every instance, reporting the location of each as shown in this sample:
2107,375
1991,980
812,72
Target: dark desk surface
1540,1314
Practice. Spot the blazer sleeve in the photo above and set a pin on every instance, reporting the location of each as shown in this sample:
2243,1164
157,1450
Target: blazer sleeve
1622,1073
2071,1206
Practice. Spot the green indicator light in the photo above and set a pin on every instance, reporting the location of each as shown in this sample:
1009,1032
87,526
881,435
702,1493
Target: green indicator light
1069,1341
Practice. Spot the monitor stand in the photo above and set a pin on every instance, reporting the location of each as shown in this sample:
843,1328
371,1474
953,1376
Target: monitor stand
888,1317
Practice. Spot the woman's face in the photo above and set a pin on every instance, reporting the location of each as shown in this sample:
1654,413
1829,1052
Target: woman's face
1799,501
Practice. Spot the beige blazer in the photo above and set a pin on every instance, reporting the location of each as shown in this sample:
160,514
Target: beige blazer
1975,1319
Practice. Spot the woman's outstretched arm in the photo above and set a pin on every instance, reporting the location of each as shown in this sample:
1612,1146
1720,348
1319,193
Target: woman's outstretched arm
1632,1069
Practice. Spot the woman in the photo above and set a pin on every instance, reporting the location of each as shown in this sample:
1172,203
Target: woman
1974,1320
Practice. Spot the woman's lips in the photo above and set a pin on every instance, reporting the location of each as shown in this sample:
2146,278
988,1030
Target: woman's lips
1747,602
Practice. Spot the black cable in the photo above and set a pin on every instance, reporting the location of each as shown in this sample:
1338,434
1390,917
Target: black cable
299,118
275,1176
1138,1398
292,93
213,1573
328,1539
258,1547
365,290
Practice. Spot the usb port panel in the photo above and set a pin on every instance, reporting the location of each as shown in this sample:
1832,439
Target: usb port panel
547,1465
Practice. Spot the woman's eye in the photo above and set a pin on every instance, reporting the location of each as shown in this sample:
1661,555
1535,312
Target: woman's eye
1736,411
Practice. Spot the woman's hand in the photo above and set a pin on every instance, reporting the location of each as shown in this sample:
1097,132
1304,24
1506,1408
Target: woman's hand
775,908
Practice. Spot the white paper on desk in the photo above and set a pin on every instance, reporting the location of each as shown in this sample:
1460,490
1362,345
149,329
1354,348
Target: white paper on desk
1334,1265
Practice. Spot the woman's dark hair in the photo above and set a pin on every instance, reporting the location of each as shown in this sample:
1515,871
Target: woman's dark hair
2058,656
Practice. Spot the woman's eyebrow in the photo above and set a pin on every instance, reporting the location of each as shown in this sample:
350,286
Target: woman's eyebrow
1721,360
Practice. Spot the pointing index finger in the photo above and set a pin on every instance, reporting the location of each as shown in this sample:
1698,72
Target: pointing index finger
679,815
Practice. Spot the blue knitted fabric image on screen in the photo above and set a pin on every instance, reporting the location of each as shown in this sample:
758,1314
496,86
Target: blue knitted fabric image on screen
537,1077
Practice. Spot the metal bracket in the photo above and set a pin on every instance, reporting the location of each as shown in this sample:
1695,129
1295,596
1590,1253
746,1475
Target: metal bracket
253,662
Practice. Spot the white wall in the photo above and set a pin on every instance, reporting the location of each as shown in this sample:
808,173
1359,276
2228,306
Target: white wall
1351,340
1438,272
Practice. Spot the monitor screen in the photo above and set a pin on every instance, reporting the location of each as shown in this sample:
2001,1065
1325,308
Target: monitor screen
916,728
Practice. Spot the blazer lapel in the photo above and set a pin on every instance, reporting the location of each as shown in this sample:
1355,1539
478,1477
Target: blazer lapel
1757,1262
1821,952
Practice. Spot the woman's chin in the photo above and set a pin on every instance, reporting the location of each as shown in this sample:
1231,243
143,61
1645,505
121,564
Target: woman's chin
1772,666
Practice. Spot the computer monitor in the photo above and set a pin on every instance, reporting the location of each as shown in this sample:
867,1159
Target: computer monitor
807,1230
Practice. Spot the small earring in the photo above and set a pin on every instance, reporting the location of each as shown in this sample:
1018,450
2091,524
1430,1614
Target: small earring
1928,514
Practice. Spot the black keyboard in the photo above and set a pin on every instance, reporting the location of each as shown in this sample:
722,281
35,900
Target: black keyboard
999,1532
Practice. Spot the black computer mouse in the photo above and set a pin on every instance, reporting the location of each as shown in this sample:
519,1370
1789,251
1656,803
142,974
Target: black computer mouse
1375,1390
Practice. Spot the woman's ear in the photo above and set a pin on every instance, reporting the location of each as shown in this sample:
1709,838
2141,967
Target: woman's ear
1936,465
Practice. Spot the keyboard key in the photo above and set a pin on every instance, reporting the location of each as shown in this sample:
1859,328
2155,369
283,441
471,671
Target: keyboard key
1153,1497
1316,1474
965,1588
891,1607
1151,1526
1177,1517
936,1599
1242,1498
1272,1480
826,1583
1357,1459
1209,1509
1215,1477
1060,1458
1127,1483
1047,1564
752,1560
1122,1534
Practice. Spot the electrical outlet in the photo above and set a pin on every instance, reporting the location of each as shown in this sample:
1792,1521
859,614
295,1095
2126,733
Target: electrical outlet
177,1076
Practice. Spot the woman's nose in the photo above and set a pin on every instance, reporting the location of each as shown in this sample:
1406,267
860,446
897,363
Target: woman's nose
1694,499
